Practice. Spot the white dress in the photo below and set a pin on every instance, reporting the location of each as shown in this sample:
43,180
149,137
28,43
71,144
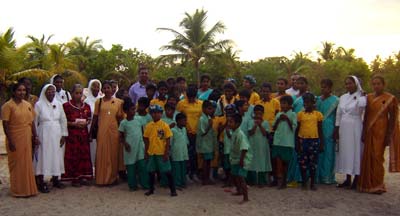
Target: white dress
51,124
349,119
62,96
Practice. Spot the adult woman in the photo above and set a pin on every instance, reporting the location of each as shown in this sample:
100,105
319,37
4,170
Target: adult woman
92,93
380,130
78,166
204,91
107,114
348,130
18,116
32,99
52,130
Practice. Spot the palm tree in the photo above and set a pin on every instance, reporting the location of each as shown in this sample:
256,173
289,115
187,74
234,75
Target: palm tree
195,43
83,51
59,58
345,54
327,52
37,51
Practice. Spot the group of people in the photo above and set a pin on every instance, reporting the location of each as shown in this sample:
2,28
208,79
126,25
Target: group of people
172,133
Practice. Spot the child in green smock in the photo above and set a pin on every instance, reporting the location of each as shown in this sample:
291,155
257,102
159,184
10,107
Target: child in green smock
179,150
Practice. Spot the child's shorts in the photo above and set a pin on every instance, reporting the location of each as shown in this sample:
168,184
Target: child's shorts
157,163
208,156
238,171
283,152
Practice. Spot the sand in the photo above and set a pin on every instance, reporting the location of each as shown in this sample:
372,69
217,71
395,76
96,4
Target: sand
199,200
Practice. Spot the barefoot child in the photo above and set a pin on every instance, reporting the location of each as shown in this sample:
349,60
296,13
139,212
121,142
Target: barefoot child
142,115
258,132
226,165
240,156
283,145
206,139
308,143
131,138
157,136
179,150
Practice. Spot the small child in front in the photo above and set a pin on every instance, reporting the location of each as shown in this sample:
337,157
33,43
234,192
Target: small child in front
156,137
179,150
240,156
309,140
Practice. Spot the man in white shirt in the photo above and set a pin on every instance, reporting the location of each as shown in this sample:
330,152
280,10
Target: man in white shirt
138,89
293,89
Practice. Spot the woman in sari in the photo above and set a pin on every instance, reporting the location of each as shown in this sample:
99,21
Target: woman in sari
78,166
348,130
381,129
327,104
107,114
32,99
204,91
51,125
91,94
18,126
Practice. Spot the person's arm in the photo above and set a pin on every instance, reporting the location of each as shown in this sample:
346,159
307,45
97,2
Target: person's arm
337,122
146,147
263,130
64,129
252,131
321,138
298,139
35,138
167,145
242,156
207,128
11,145
392,121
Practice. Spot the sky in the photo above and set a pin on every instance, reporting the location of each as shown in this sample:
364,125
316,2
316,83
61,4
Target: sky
259,29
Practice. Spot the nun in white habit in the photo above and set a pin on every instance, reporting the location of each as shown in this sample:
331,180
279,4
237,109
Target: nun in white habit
348,131
51,124
93,93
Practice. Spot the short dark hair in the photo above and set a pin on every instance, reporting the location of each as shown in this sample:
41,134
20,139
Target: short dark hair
205,76
127,104
230,86
245,93
15,86
239,103
237,118
179,79
151,86
144,101
23,79
180,116
286,99
58,76
169,106
162,84
266,85
284,80
327,82
206,104
303,79
258,108
308,97
379,77
106,82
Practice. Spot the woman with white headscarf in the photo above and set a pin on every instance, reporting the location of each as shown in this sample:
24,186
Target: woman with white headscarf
52,130
92,93
348,131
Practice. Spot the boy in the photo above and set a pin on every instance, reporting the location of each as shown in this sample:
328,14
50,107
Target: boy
142,116
161,99
157,143
169,115
151,91
248,83
271,105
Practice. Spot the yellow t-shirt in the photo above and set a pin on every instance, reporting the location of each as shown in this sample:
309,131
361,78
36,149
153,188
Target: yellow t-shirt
254,97
157,133
271,108
192,111
216,122
309,124
159,102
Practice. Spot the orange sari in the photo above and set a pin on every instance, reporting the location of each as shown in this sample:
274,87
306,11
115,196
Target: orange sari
376,127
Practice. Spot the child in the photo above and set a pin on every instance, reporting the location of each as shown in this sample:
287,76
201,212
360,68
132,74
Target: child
181,87
114,87
192,108
229,97
131,138
244,96
169,115
151,91
226,165
179,150
258,138
157,143
205,139
248,83
172,99
240,156
271,105
161,99
281,86
327,104
143,117
308,136
242,109
283,145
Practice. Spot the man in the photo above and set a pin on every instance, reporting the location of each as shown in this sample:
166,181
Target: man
293,89
138,89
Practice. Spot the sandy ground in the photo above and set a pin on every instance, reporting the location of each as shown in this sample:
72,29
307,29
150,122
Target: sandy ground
199,200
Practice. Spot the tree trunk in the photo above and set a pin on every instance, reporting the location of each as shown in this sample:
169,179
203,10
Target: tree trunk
196,66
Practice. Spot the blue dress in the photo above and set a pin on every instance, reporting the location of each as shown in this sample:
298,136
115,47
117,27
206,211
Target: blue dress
326,163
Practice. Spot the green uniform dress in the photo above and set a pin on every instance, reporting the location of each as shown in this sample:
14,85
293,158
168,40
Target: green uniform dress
134,160
169,121
283,144
261,162
227,150
179,155
205,145
240,143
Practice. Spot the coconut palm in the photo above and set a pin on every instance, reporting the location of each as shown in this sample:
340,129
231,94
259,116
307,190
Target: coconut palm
37,52
195,43
83,51
327,52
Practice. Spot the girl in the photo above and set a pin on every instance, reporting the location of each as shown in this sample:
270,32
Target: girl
258,132
107,114
271,105
248,83
229,97
326,104
131,138
381,129
62,95
78,166
161,99
281,85
52,130
20,131
206,139
348,131
308,136
283,145
169,115
240,156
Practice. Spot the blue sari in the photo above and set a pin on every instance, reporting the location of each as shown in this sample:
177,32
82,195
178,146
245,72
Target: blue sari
326,162
294,173
203,95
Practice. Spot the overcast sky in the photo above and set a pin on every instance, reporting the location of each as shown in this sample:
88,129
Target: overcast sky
259,28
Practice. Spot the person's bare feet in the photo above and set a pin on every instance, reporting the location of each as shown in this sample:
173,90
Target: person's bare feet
237,194
243,202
